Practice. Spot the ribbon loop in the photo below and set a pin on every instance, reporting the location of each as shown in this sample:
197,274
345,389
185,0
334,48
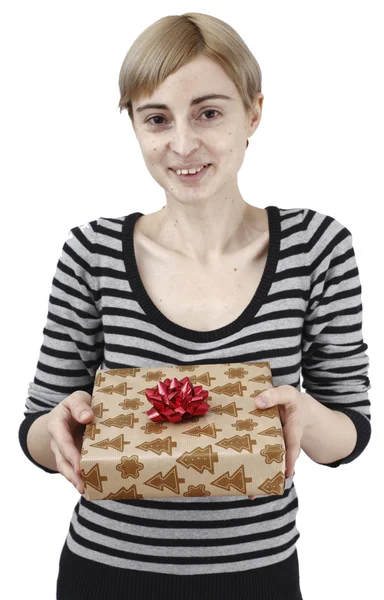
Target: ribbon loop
175,400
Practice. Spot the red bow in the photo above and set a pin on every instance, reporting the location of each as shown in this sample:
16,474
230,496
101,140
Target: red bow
175,400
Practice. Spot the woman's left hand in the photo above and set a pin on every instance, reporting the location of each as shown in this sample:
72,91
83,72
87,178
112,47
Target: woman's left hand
293,418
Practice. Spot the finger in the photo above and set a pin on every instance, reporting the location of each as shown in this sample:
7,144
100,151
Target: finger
282,394
251,497
79,404
65,468
292,444
58,430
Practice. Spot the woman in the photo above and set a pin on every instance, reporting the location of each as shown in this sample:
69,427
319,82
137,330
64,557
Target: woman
209,278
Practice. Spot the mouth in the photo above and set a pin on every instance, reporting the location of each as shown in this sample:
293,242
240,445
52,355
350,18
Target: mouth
195,176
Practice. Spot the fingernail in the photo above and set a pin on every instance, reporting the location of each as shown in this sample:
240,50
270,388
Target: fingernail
261,401
84,414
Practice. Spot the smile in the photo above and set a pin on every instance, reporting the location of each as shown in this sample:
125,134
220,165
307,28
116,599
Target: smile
192,177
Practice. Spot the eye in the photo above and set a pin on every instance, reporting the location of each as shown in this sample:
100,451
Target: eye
210,110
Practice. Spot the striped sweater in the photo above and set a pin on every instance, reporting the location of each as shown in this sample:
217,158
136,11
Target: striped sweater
305,318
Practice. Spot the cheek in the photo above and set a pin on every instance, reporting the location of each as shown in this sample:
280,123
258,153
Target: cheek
155,154
151,155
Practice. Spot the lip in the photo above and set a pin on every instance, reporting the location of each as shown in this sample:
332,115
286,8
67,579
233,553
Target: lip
195,166
192,178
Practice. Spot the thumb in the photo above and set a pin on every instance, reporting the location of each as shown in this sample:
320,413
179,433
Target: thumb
79,403
86,414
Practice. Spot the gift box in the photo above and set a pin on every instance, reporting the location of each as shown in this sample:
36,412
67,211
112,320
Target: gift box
182,431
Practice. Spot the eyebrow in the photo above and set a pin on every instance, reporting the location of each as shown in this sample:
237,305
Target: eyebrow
193,102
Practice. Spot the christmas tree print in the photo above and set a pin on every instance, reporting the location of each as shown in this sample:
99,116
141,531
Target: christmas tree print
158,446
170,481
238,443
199,459
237,481
210,430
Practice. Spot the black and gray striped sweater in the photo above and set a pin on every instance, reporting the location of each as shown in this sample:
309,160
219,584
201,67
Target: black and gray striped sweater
305,318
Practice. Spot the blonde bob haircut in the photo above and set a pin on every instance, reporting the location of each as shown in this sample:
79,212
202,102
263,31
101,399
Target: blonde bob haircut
174,41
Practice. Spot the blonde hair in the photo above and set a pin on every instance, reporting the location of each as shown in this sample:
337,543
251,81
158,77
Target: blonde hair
174,41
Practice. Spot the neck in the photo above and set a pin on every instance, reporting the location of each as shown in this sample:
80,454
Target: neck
209,233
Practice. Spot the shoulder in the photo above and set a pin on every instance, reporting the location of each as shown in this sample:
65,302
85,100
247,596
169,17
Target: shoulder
316,228
90,233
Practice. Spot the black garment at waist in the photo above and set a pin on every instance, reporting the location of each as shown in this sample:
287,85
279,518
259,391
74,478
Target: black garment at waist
83,579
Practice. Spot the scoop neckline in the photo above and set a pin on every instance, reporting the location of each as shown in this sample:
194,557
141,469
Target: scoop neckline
158,318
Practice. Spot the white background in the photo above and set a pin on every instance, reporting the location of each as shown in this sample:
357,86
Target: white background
69,156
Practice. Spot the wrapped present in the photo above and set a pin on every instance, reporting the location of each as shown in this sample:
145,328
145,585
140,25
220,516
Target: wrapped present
182,431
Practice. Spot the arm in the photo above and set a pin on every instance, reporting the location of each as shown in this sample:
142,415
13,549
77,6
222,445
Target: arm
330,435
334,359
38,443
72,345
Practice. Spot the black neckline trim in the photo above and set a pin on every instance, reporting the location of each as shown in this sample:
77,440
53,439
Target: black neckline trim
157,317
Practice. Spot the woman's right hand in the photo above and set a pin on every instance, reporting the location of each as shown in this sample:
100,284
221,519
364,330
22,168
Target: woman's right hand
66,426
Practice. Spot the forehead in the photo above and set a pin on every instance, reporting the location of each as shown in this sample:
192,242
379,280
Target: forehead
200,77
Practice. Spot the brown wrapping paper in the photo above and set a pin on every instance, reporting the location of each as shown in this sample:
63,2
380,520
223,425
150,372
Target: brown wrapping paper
233,449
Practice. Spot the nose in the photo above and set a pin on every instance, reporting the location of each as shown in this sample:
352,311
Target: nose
184,140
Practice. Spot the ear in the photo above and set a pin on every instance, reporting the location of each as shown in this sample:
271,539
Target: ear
255,114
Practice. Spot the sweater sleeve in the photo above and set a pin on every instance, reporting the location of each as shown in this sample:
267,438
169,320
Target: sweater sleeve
334,360
72,346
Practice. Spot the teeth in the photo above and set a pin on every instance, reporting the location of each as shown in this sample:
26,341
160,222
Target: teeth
189,171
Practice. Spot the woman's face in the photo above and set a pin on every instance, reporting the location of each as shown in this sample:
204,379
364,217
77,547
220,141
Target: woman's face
185,134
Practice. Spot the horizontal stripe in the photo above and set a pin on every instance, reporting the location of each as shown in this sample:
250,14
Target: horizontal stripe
305,318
